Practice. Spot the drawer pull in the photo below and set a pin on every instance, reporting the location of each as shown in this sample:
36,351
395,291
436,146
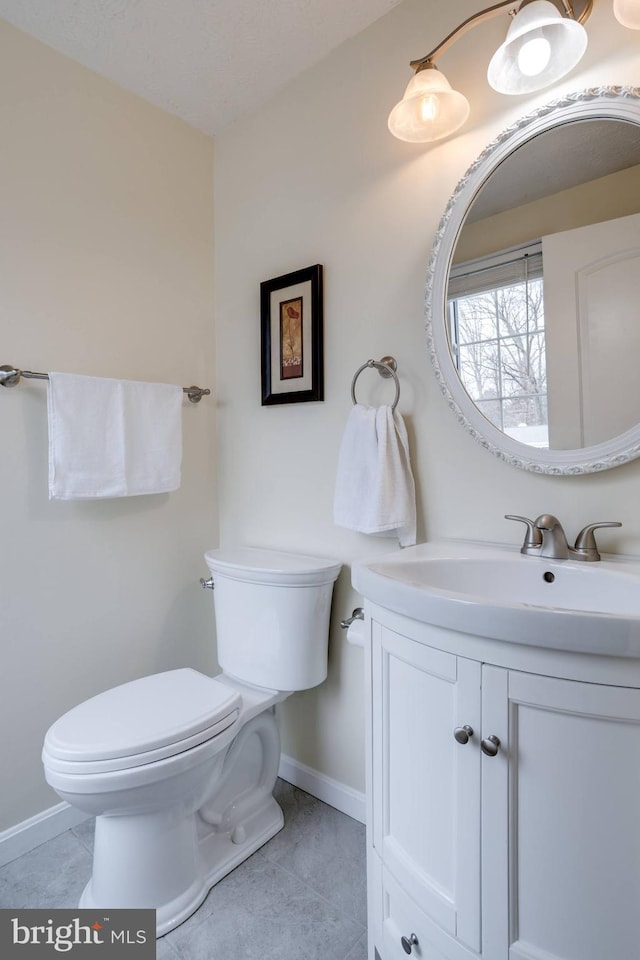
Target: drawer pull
462,734
408,943
490,746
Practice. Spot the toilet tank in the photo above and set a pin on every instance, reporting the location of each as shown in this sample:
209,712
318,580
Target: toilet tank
272,615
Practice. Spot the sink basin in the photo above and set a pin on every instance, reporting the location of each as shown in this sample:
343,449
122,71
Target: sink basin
499,593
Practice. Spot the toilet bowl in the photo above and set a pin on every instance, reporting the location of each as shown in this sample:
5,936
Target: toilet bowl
179,768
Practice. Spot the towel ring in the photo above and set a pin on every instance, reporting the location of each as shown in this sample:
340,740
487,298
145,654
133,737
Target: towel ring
386,368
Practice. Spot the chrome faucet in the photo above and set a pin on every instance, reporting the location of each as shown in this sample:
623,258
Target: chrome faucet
554,541
545,537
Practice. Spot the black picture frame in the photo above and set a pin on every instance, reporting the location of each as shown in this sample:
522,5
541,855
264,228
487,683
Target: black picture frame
291,337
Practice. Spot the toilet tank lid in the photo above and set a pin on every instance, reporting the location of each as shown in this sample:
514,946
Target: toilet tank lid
257,565
142,715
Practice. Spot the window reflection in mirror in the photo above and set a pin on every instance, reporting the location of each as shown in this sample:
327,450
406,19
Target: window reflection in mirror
496,329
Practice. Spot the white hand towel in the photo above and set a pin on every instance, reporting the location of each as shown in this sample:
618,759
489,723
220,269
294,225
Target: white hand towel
375,491
112,438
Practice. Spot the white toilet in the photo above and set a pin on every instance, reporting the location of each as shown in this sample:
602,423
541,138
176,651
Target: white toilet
178,767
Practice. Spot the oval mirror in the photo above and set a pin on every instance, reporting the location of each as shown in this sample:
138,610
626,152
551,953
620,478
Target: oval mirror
533,288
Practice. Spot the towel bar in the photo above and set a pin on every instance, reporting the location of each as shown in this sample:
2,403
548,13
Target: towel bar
386,368
10,376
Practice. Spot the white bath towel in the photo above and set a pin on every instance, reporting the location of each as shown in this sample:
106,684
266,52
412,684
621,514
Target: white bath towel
375,490
112,438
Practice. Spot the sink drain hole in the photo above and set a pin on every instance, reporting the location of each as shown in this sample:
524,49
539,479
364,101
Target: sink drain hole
548,576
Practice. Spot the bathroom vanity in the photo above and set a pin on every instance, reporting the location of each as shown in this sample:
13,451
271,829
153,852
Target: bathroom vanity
503,689
503,755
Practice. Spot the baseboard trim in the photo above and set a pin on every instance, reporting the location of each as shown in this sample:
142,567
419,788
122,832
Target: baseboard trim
336,794
44,826
28,834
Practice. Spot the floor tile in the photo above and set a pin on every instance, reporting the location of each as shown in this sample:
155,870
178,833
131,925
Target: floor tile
262,912
323,847
84,832
359,952
301,896
164,950
52,875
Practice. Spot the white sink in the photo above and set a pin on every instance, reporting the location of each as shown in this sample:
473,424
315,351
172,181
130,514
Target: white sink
497,592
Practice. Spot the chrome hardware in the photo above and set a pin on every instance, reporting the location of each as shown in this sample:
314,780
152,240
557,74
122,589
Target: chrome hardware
532,537
358,614
10,376
388,362
554,541
207,584
386,368
586,548
195,394
462,734
408,943
490,746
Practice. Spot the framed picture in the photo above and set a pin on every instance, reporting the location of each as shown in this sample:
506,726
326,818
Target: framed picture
291,337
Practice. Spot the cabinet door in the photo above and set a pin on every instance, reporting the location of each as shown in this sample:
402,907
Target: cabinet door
560,834
426,808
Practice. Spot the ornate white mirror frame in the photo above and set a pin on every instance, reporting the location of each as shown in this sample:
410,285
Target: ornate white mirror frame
616,103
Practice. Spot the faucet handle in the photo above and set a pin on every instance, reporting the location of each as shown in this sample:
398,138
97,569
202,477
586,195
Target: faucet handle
532,537
586,542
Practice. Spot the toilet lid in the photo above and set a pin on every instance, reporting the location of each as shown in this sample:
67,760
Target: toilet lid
256,565
156,713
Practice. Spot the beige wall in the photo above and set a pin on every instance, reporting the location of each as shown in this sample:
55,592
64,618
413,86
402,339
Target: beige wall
315,177
106,250
106,211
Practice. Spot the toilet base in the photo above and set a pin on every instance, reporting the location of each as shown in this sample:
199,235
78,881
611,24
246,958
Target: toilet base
219,854
168,858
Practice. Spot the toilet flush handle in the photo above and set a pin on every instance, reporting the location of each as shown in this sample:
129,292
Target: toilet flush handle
207,584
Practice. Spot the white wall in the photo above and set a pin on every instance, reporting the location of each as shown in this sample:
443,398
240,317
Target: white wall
106,261
106,210
316,178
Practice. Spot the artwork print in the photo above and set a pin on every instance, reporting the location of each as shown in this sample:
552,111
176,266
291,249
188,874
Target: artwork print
291,334
291,339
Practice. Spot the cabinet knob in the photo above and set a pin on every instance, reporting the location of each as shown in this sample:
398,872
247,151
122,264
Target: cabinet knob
490,746
408,943
462,734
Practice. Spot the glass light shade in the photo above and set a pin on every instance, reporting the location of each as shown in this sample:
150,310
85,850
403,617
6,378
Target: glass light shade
627,12
429,109
541,46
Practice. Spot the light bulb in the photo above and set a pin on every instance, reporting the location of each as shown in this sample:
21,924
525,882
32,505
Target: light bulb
429,108
534,56
541,46
627,12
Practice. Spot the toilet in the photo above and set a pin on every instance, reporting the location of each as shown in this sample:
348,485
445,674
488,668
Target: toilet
179,768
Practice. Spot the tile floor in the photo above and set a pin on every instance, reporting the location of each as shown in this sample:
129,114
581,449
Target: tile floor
301,896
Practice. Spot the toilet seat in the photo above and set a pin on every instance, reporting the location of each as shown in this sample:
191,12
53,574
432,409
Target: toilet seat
144,721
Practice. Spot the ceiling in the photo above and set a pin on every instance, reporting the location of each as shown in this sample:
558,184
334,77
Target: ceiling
557,160
206,61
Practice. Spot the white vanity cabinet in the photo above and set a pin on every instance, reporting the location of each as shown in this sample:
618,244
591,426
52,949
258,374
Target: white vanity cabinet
532,853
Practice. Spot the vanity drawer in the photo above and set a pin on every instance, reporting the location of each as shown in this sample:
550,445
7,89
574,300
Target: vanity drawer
401,917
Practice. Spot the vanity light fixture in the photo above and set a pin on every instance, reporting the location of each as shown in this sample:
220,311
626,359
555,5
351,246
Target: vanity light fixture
545,40
627,12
